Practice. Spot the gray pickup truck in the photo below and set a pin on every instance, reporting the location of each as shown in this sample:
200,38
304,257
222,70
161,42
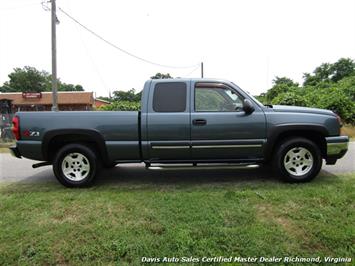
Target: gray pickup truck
194,121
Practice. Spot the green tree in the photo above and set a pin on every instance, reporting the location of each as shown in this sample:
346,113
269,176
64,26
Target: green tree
27,79
327,73
69,87
161,76
6,88
261,97
130,96
280,85
344,67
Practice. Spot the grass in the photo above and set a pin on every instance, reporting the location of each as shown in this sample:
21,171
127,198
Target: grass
5,145
120,222
4,150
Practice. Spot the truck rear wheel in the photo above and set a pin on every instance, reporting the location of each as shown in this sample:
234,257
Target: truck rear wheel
75,165
298,160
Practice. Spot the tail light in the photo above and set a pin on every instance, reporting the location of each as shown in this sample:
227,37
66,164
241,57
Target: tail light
16,127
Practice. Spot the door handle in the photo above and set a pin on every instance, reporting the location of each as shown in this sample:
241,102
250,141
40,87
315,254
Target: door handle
199,122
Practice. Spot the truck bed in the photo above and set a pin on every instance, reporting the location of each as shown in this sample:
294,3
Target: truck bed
118,130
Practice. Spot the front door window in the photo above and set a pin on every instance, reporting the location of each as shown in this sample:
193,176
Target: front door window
215,99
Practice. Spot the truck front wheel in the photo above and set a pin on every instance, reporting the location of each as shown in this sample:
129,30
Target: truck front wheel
75,165
298,160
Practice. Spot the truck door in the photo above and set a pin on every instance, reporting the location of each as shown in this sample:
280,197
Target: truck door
168,121
220,128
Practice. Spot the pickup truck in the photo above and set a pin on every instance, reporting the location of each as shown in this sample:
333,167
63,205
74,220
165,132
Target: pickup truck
190,121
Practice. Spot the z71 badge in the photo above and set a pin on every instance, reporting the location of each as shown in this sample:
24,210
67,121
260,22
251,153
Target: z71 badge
30,133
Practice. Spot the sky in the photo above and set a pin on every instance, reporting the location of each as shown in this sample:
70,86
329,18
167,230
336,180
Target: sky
247,42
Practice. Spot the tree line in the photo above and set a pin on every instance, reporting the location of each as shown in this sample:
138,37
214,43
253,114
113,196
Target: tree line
329,86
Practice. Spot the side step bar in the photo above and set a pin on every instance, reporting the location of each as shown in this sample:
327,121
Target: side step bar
205,166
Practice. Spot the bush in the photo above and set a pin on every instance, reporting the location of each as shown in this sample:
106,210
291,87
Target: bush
122,106
348,86
338,101
290,98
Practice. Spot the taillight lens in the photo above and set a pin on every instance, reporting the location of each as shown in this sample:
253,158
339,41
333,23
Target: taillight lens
16,127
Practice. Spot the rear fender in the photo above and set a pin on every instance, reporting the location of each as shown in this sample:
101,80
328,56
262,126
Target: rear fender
74,135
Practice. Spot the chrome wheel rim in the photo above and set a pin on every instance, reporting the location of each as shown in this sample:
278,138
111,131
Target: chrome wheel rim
298,161
75,166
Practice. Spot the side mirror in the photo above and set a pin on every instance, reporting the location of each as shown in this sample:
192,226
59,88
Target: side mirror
248,106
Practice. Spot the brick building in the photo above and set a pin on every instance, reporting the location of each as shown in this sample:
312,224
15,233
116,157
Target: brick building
100,102
67,101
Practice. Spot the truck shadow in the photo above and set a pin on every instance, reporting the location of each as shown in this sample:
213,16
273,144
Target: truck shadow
139,175
142,175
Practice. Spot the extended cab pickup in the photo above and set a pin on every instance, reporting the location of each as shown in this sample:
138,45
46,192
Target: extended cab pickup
182,121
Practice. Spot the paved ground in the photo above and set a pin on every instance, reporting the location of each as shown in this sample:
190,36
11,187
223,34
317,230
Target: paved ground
14,170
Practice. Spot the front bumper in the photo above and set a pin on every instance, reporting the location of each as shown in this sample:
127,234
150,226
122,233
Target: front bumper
15,151
336,148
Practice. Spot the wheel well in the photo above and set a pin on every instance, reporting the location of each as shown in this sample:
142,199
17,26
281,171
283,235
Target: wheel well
58,142
315,136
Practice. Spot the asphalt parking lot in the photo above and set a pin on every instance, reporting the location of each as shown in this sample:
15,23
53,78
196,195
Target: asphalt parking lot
16,170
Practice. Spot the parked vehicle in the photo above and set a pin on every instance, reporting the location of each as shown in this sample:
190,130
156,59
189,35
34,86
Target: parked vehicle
193,121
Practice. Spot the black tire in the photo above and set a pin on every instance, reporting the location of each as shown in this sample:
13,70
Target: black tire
68,157
290,163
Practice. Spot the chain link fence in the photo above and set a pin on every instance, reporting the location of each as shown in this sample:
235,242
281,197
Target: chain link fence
5,128
6,115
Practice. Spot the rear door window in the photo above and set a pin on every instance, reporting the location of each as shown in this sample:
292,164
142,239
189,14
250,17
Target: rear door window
169,97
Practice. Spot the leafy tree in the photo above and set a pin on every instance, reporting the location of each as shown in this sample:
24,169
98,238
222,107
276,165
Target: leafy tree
69,87
280,85
6,88
344,67
161,76
130,96
261,97
328,73
284,81
29,79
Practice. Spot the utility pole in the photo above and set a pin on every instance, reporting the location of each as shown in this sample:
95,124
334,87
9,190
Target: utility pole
201,69
54,58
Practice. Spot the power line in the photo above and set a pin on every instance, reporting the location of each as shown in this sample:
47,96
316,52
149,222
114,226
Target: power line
95,67
120,49
188,74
